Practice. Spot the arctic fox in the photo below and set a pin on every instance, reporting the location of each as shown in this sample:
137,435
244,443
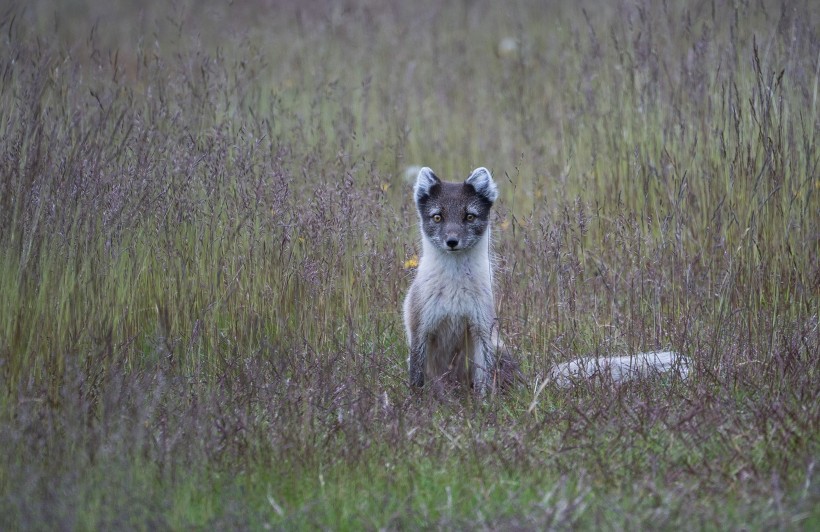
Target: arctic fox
449,311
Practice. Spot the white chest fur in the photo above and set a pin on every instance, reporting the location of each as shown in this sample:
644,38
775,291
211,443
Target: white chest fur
455,286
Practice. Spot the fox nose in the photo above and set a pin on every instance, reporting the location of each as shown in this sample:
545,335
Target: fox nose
452,243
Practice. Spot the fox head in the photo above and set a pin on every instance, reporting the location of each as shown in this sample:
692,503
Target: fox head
454,216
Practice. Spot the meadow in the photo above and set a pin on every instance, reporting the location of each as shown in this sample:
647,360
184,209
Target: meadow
206,233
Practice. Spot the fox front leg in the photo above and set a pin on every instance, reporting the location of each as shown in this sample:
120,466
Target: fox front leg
416,364
483,365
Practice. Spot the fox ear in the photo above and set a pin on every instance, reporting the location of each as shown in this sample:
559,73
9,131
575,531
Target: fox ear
425,182
483,183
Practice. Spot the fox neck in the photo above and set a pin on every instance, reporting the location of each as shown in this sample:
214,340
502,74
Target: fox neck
474,261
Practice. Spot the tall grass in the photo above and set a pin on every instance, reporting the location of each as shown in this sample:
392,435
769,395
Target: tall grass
204,226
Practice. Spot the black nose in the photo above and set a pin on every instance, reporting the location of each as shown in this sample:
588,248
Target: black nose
452,243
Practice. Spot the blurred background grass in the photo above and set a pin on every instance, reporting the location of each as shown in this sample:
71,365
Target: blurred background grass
205,219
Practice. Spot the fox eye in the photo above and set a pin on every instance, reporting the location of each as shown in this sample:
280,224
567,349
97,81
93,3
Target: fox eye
470,217
437,218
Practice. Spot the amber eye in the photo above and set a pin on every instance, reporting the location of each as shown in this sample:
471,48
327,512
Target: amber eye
470,217
437,218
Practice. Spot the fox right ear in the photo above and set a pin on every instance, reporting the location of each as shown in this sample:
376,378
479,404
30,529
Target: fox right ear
483,183
425,182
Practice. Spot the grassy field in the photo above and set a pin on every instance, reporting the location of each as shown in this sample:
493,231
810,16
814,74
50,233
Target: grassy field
206,233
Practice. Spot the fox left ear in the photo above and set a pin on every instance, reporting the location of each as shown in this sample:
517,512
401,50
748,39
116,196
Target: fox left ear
483,183
426,182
